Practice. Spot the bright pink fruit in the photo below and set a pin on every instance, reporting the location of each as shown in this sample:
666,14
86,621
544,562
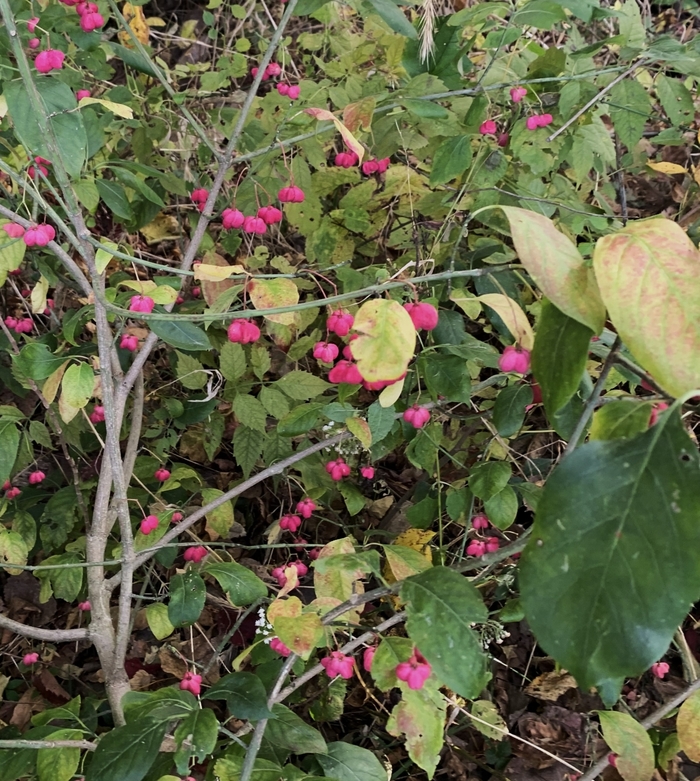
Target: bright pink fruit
517,94
32,23
90,22
243,332
161,474
488,128
424,316
306,507
291,194
417,416
346,160
232,218
368,658
492,544
195,554
12,493
415,672
345,372
84,606
294,91
34,43
30,659
149,524
41,163
278,572
282,88
514,359
39,236
200,195
476,548
338,665
337,469
49,60
340,322
279,647
325,351
480,521
270,214
660,669
290,523
141,304
192,683
176,517
130,343
254,225
82,93
367,472
656,410
98,414
36,477
273,69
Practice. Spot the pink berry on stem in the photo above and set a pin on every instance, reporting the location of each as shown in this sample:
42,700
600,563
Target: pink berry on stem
340,322
98,414
338,665
306,507
279,647
254,225
291,194
488,128
346,160
49,60
367,472
415,672
161,474
417,416
195,554
325,351
29,659
660,669
232,218
141,304
130,343
514,359
243,331
149,524
290,523
424,316
36,477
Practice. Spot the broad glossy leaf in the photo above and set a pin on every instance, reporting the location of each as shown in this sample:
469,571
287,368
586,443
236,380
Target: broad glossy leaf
244,693
127,753
164,705
37,361
688,726
195,737
446,376
187,596
502,508
611,568
559,356
631,742
420,718
290,732
78,382
241,585
451,159
220,519
441,607
9,443
300,420
489,478
387,340
394,17
345,762
648,277
557,267
509,409
59,764
181,334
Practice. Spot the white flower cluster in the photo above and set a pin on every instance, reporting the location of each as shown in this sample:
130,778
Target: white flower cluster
263,626
491,632
348,447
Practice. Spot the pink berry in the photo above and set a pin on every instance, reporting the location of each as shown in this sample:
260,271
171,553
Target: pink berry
191,682
195,554
514,359
176,517
291,194
91,22
141,304
325,351
367,472
517,94
346,160
340,322
11,322
270,215
282,88
306,507
345,372
660,669
476,548
36,477
656,410
39,236
294,91
338,665
424,316
12,493
503,139
488,128
84,607
243,332
279,647
492,544
149,524
417,416
368,658
415,672
24,325
32,23
254,225
98,414
82,93
200,195
49,60
30,659
290,523
130,343
161,474
273,69
338,469
34,43
232,218
370,167
480,521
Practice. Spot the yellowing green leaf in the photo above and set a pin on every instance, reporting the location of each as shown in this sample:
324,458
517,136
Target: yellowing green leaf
206,272
467,302
77,384
13,550
513,316
688,726
360,429
116,108
158,621
390,395
648,277
219,520
350,140
300,633
557,267
667,168
38,296
272,293
420,717
102,256
630,741
387,340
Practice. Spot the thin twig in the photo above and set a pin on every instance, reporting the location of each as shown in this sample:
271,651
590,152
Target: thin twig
85,745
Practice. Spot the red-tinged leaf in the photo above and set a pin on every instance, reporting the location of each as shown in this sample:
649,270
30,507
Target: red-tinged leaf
300,633
630,741
350,141
213,285
688,726
272,293
420,717
648,277
557,267
358,116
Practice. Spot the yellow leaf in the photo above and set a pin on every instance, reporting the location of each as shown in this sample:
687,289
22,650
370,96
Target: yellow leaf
212,289
300,633
360,429
467,302
116,108
387,340
164,227
512,315
38,297
272,293
209,273
696,174
142,286
416,539
50,388
103,256
350,141
688,726
136,19
667,168
390,395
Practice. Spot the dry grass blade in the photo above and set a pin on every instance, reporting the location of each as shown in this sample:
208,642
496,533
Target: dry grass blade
427,29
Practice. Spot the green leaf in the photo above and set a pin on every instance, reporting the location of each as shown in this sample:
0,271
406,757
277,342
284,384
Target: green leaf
158,621
420,717
630,108
676,100
630,741
489,478
274,402
446,376
542,14
37,362
688,726
441,607
288,731
345,762
556,266
386,342
247,447
488,712
190,372
229,768
65,122
619,419
240,584
451,159
250,411
232,361
9,445
394,17
163,705
559,356
302,385
78,382
221,518
195,738
502,508
127,753
381,420
509,409
114,198
181,334
300,420
187,596
600,593
12,253
244,694
654,261
59,764
592,148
